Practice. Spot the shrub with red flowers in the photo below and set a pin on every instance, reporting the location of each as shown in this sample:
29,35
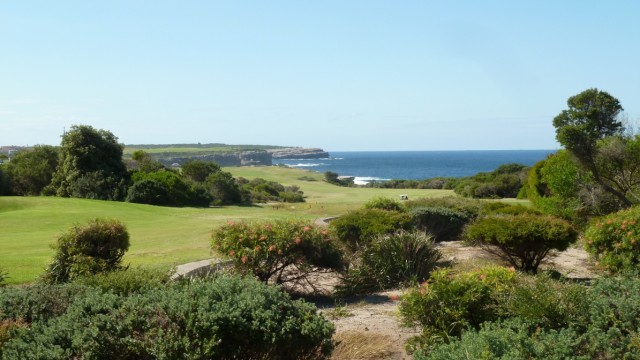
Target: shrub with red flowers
278,252
614,240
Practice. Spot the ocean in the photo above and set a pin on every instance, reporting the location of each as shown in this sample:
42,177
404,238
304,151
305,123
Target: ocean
366,166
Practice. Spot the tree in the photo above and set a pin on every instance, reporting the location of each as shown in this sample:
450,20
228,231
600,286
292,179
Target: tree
591,116
522,240
223,187
145,162
90,165
30,171
199,170
97,247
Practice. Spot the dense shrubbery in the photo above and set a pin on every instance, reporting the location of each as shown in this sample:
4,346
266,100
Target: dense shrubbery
126,281
3,277
165,187
222,318
522,240
357,228
383,203
442,223
449,303
94,248
614,240
280,251
504,182
390,261
469,207
30,171
535,318
433,183
261,191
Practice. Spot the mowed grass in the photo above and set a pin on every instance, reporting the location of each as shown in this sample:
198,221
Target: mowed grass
162,237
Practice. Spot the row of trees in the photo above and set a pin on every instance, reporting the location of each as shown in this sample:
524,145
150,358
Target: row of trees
89,164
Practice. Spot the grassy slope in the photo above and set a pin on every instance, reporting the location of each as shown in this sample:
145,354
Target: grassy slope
161,236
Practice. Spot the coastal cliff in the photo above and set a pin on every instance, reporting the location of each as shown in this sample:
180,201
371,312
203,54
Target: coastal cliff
298,153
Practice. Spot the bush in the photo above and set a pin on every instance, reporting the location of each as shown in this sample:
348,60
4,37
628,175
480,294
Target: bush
94,248
500,208
281,251
222,318
3,277
522,240
148,191
357,228
514,339
469,207
442,223
390,261
383,203
126,281
37,303
614,240
449,303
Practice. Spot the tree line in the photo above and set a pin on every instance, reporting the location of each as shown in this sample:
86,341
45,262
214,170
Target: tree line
89,164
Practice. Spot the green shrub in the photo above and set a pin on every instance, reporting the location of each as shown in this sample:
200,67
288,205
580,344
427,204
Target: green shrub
280,251
126,281
545,302
442,223
469,207
383,203
221,318
614,240
514,339
90,249
390,261
522,240
449,303
500,208
39,302
357,228
148,191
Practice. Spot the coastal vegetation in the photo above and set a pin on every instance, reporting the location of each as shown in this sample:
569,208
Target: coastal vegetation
104,289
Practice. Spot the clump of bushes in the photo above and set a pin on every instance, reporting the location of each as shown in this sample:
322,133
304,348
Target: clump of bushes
225,317
384,203
96,247
442,223
279,252
614,240
390,261
470,207
450,303
358,227
522,240
536,317
504,182
261,191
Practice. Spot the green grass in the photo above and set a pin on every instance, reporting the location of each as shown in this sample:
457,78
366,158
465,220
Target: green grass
162,237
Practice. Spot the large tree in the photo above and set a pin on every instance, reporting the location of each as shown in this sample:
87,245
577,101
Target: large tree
30,171
90,165
592,116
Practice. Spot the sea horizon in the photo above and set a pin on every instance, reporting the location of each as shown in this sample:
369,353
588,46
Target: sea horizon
376,165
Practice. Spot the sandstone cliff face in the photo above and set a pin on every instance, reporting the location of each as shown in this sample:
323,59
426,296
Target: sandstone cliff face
299,153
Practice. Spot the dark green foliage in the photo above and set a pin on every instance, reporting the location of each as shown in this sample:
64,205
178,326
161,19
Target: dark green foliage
199,170
30,171
278,252
259,190
554,320
148,191
614,240
3,277
383,203
504,182
90,165
433,183
221,318
5,184
391,261
223,188
37,303
500,208
165,187
333,178
469,207
357,228
442,223
96,247
126,281
450,303
522,240
514,339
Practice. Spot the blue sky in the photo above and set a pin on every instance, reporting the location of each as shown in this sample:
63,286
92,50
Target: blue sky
341,75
